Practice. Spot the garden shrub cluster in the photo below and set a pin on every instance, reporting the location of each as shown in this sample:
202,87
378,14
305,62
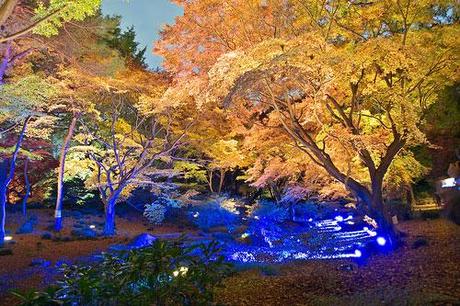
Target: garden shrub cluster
214,214
166,273
158,209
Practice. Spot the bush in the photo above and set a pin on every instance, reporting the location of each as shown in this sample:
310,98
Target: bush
156,211
270,211
212,215
163,274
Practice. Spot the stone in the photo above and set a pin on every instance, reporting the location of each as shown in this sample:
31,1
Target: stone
47,236
26,228
142,241
40,262
84,233
6,252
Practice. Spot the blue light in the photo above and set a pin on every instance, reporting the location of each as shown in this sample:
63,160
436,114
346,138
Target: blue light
339,218
358,253
381,241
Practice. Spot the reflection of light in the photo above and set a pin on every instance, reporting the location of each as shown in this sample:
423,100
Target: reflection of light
450,182
310,220
8,238
348,218
381,241
339,218
92,226
196,215
245,235
358,253
182,271
350,222
256,217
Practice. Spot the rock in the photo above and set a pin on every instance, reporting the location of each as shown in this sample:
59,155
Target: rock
140,241
6,252
47,236
84,233
420,242
345,267
26,228
40,262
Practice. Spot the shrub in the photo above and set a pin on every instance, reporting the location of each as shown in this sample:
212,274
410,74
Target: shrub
165,273
212,215
156,211
270,211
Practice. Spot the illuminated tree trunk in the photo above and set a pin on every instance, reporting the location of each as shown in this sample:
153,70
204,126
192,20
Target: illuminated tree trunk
3,187
27,187
60,187
6,177
109,226
221,180
210,175
4,63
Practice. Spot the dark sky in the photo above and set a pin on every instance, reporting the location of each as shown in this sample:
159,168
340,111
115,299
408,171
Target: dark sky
147,16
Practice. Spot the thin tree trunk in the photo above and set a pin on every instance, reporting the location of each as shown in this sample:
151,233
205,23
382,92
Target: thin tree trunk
221,180
4,63
3,187
27,187
60,187
210,175
5,179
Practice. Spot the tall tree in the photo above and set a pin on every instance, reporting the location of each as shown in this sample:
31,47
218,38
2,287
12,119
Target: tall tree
348,90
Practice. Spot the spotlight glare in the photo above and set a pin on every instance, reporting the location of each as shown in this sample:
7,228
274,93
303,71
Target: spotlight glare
358,253
381,241
8,238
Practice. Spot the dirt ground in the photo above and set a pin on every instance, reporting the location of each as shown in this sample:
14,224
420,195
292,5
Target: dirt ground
16,271
428,275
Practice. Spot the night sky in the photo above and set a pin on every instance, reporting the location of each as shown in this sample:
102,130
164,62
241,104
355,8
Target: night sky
147,16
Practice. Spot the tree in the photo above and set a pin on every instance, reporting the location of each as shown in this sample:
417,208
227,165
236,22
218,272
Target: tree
48,19
133,139
23,101
125,43
349,91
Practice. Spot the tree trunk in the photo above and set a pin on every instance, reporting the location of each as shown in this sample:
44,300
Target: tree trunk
60,187
380,214
374,207
27,188
210,175
221,180
109,226
3,177
6,176
4,63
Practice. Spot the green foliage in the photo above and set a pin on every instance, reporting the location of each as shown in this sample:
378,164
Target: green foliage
191,171
164,274
125,43
26,96
64,11
443,116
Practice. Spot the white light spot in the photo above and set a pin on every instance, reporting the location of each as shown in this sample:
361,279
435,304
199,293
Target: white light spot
381,241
